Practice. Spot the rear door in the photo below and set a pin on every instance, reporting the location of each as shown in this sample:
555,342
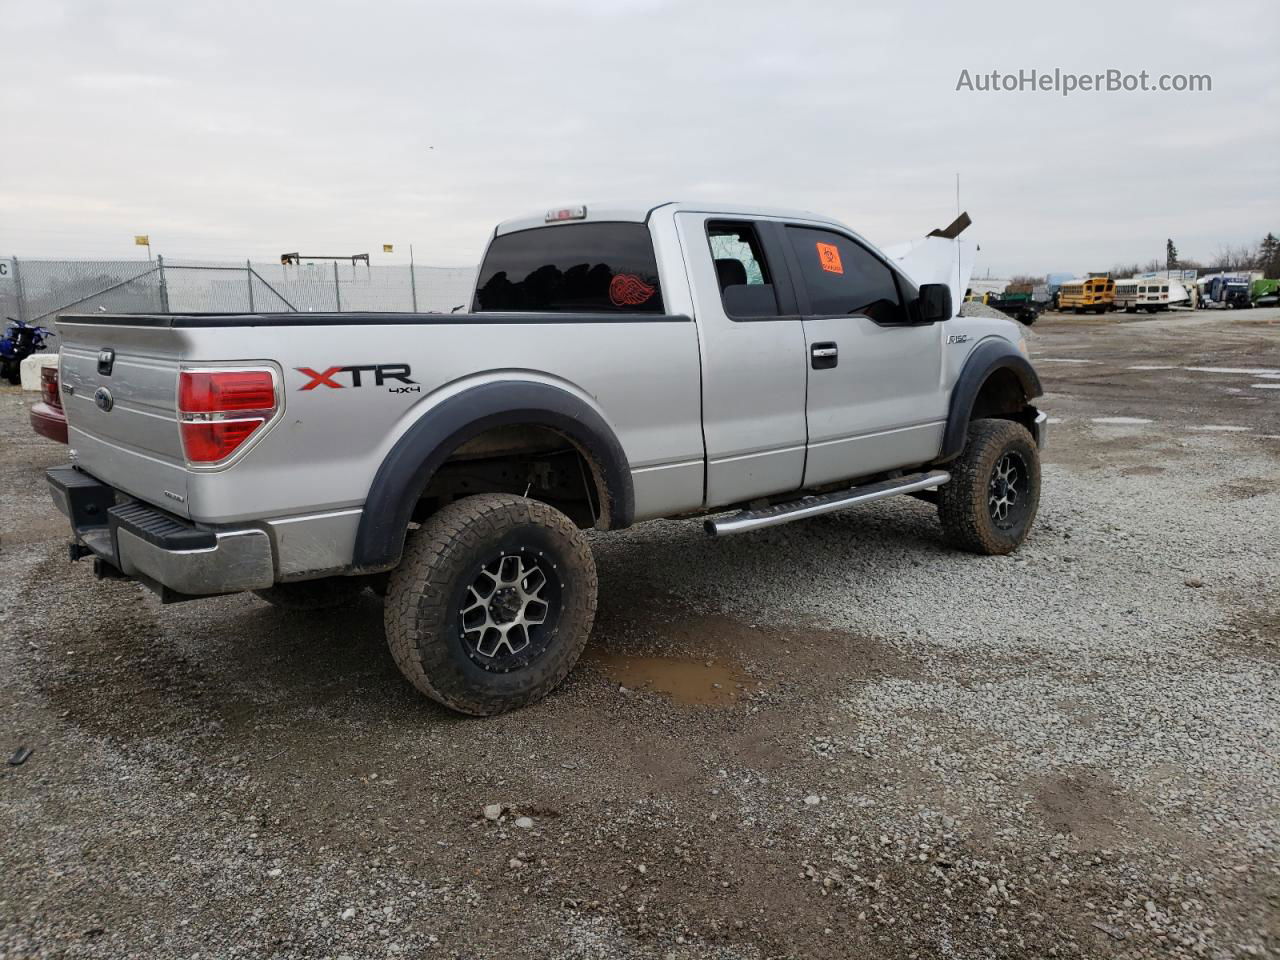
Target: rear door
875,394
753,360
119,386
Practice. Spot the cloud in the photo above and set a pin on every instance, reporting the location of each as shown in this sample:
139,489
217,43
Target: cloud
117,82
228,130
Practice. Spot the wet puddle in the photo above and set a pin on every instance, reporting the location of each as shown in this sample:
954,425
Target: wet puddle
684,679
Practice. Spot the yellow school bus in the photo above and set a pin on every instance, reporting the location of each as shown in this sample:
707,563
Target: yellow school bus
1096,294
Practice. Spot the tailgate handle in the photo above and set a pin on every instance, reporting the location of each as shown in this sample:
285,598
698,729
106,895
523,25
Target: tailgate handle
106,360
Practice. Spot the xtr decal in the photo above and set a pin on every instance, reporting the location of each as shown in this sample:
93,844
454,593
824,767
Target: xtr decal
382,372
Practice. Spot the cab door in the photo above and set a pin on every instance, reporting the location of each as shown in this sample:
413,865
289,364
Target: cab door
875,397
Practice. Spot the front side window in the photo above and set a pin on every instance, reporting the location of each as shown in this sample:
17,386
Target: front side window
844,278
746,283
573,268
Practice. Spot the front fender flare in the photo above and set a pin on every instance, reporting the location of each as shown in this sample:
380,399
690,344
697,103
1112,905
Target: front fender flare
985,359
418,454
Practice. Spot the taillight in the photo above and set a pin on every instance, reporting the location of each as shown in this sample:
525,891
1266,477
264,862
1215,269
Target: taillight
49,386
220,409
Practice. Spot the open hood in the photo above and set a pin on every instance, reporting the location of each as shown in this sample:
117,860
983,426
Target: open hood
939,257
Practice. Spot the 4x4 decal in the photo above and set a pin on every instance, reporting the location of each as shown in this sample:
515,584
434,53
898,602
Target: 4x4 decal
382,372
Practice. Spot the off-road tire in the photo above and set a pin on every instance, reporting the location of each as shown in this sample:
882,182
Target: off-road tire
963,503
427,591
327,593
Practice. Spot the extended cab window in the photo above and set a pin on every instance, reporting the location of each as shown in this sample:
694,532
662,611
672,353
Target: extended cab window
746,285
574,268
843,278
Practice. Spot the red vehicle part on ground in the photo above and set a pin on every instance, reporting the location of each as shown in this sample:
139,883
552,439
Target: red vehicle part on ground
47,418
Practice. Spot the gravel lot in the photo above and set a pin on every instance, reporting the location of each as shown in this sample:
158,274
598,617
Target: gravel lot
836,738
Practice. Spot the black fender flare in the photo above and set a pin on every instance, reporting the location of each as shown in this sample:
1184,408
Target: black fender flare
418,454
985,359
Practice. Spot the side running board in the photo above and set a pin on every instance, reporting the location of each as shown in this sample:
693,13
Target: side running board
826,503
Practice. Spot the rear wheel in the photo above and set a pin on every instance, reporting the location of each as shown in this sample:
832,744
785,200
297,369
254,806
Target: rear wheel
492,603
992,499
326,593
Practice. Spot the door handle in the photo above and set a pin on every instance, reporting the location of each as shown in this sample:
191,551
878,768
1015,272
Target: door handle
824,356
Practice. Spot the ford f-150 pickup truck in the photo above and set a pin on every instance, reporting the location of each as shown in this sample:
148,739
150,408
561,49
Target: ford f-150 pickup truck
617,365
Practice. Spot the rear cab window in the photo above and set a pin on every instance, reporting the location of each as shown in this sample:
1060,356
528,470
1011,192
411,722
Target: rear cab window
746,283
843,278
572,268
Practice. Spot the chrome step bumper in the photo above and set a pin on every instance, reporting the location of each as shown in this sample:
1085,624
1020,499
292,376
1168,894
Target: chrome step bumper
824,503
136,541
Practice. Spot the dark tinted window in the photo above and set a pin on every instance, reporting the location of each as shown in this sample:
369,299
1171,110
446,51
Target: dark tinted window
577,268
746,285
844,278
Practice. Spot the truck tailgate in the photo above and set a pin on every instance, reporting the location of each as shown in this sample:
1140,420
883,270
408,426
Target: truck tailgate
119,390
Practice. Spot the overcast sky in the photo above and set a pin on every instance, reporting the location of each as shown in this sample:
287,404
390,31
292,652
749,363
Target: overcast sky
231,130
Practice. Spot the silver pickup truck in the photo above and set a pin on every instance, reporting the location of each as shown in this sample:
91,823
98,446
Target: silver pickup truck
617,365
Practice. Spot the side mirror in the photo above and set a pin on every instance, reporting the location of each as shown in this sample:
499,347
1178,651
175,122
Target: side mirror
934,303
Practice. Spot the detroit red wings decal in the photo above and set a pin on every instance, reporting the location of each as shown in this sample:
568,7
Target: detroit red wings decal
627,290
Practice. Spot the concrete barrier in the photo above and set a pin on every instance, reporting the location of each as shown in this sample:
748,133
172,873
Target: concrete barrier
31,369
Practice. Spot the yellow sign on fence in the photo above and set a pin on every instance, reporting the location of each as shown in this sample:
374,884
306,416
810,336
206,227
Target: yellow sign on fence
142,240
388,247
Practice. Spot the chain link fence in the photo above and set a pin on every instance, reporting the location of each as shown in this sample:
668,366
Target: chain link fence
36,291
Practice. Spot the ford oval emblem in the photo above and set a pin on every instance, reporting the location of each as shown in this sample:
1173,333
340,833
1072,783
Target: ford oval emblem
102,397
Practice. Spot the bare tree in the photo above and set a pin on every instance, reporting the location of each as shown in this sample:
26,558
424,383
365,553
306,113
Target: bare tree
1231,257
1122,270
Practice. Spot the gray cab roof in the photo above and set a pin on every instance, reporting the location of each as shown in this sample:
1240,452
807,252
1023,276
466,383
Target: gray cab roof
639,213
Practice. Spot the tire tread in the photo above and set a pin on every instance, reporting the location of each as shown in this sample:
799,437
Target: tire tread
417,597
962,503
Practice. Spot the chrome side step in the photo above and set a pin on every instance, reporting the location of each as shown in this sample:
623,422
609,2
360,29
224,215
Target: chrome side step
825,503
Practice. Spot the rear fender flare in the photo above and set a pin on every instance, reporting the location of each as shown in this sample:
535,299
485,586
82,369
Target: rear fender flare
985,359
429,442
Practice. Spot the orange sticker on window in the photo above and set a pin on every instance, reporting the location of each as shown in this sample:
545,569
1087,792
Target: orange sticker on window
829,257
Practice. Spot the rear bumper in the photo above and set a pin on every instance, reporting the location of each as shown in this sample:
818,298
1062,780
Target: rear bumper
49,421
137,541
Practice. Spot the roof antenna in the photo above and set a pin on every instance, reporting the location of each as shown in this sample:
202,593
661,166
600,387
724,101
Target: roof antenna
958,269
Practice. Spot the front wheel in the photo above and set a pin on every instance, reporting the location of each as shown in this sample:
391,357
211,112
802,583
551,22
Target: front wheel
491,604
990,503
